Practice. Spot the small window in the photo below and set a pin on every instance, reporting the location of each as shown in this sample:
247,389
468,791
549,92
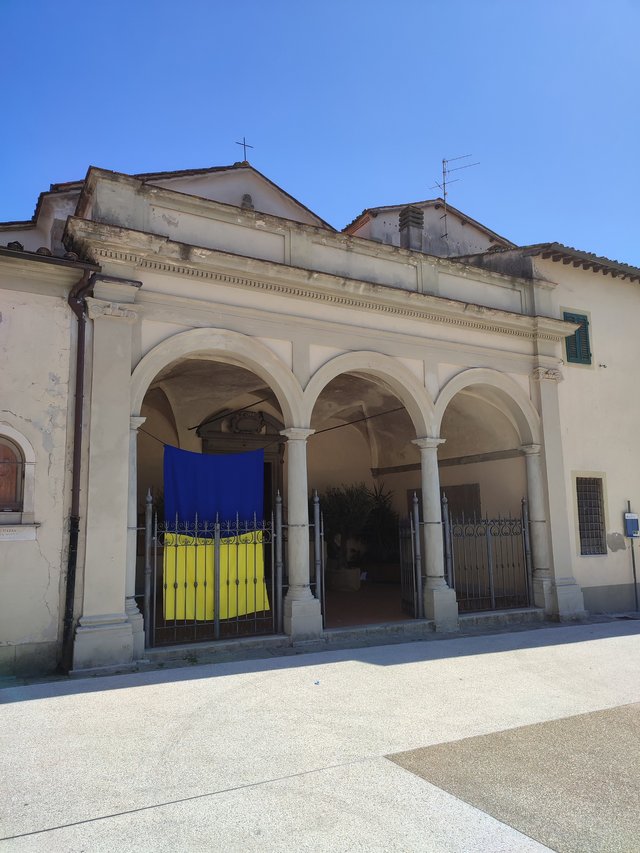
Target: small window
591,515
11,476
578,349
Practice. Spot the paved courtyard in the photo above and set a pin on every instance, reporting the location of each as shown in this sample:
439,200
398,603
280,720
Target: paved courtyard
508,742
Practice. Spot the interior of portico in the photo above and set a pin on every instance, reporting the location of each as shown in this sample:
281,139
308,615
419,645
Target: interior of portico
361,426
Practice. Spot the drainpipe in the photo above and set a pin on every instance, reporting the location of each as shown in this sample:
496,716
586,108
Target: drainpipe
78,305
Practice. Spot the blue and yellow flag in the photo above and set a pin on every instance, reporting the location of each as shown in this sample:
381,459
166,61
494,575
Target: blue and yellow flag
228,489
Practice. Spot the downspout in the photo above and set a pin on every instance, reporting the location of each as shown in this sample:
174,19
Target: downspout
76,300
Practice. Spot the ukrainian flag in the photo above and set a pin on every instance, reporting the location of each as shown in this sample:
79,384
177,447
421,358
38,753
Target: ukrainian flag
205,488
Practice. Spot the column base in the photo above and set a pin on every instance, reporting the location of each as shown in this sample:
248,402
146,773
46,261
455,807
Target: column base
441,607
542,594
105,640
302,618
561,599
568,601
134,617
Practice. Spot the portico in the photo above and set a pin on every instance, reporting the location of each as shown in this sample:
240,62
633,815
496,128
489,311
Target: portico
216,328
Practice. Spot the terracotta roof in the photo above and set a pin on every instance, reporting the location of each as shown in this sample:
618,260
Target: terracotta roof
69,259
568,255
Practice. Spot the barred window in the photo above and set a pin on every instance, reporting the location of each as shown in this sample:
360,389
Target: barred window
11,476
577,344
591,515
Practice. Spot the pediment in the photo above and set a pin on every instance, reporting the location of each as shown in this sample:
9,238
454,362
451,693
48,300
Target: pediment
240,185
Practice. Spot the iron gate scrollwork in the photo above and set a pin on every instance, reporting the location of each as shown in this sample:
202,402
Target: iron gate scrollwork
212,580
488,560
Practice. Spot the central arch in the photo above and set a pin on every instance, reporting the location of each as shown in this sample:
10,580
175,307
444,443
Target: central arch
366,410
385,370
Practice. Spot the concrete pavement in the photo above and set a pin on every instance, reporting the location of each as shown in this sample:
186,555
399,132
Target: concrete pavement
291,753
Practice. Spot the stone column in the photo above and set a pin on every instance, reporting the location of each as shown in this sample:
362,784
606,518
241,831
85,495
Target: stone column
130,606
538,528
559,593
440,603
104,636
302,614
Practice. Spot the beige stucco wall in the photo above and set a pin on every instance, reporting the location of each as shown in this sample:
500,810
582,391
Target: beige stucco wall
463,238
230,188
502,482
600,413
36,335
340,457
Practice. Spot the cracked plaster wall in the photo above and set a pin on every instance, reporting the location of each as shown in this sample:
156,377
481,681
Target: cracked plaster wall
34,397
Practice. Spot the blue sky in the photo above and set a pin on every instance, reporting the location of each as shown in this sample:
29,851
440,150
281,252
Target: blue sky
349,103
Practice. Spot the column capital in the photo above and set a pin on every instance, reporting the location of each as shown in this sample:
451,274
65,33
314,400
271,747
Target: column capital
553,374
530,449
296,433
99,309
428,442
135,422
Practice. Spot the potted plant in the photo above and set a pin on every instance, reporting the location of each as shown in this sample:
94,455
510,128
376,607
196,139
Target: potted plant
381,539
346,510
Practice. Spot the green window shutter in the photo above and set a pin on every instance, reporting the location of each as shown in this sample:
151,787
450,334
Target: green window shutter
578,349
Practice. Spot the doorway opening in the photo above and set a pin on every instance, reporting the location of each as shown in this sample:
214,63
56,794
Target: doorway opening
361,461
202,578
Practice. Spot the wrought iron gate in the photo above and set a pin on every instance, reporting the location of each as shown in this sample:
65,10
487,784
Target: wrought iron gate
411,563
210,580
488,560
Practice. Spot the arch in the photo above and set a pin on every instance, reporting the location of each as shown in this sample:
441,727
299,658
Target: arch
507,390
26,513
231,348
388,371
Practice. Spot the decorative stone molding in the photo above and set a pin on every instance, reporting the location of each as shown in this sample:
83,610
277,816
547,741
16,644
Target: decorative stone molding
428,443
297,434
105,243
530,449
98,309
542,373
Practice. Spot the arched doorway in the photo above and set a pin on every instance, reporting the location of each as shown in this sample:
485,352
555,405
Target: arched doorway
212,403
362,462
487,424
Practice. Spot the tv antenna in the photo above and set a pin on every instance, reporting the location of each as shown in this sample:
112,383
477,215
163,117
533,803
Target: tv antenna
442,186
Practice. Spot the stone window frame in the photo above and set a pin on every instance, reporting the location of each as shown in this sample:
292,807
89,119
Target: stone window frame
591,475
25,515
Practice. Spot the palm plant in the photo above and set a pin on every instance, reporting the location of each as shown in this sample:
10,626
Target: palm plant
380,532
346,510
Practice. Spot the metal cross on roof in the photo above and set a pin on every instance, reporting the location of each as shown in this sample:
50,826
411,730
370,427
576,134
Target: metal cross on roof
245,145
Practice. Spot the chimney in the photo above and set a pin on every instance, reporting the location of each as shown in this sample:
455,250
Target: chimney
411,226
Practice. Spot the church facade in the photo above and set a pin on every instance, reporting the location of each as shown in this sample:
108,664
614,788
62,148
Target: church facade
150,310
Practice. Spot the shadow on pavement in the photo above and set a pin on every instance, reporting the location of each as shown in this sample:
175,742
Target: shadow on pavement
395,652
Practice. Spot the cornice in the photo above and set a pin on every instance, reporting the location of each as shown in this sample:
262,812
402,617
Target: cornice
161,255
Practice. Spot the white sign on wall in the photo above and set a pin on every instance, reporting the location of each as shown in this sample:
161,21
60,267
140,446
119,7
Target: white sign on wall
17,533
